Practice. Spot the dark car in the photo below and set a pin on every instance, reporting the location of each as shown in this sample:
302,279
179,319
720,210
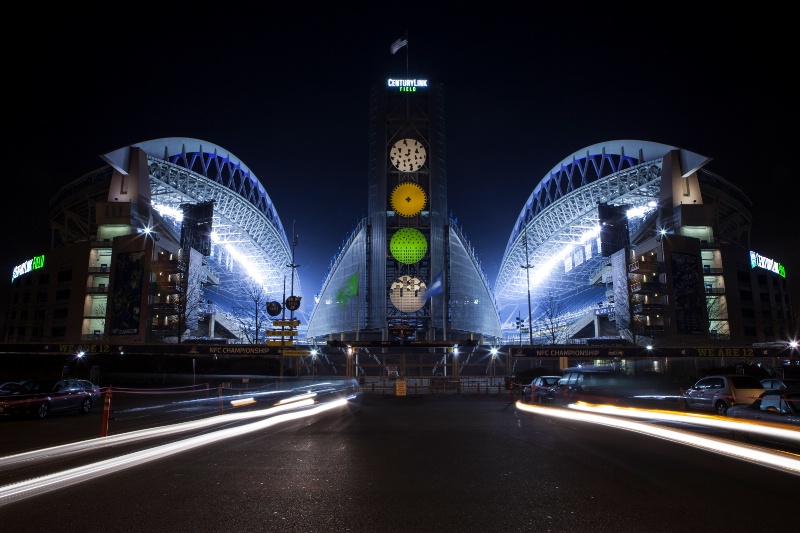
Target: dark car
781,406
539,386
10,388
781,384
92,389
40,398
589,384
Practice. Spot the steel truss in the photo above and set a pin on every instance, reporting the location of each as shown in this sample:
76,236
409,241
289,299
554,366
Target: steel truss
559,213
243,218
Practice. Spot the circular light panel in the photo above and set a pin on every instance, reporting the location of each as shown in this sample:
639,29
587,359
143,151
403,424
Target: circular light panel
408,199
408,294
407,155
408,246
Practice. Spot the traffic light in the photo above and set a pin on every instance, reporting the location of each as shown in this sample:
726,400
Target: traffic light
520,322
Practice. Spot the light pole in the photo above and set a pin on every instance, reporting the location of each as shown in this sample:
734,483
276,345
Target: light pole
528,266
293,266
293,301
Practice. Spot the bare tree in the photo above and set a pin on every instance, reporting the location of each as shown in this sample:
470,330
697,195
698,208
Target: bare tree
717,308
553,318
631,329
190,298
250,313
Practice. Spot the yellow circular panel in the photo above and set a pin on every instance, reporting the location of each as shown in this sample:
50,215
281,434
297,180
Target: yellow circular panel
408,199
408,155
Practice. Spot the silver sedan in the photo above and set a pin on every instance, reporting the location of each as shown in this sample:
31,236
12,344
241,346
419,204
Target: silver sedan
779,406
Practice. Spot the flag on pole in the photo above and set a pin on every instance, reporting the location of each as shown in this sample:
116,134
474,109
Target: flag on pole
349,289
397,45
435,288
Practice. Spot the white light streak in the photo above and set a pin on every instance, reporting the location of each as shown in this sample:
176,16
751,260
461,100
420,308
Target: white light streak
761,456
25,489
762,428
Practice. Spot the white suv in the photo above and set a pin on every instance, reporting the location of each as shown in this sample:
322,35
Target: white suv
718,393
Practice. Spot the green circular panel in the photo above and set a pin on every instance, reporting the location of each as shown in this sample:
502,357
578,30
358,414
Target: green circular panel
408,246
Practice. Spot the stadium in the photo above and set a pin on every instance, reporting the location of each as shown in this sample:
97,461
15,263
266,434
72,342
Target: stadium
622,245
634,242
202,240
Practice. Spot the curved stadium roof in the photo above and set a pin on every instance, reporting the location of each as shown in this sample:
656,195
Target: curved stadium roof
248,233
561,212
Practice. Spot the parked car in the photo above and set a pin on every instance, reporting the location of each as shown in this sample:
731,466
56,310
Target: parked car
779,406
93,389
595,384
781,384
10,387
719,393
41,398
539,386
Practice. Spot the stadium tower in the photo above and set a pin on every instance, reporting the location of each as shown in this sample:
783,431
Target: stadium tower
407,272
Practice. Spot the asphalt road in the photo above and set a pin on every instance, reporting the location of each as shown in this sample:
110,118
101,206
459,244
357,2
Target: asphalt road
442,463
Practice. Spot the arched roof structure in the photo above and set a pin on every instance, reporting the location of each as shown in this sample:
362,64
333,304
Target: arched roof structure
246,224
561,212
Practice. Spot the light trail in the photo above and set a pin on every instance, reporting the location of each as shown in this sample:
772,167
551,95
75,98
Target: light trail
762,428
44,484
778,460
143,434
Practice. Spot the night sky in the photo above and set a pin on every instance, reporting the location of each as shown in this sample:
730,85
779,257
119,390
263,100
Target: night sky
286,91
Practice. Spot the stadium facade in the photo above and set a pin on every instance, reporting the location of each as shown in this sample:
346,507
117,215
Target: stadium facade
174,239
635,242
621,245
407,272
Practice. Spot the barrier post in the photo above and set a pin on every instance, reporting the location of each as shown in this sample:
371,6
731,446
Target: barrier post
511,393
106,411
681,401
219,395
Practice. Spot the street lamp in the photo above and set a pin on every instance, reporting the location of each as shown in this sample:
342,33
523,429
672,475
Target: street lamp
527,266
313,362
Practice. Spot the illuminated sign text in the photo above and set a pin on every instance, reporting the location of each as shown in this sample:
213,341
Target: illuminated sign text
27,266
759,261
407,85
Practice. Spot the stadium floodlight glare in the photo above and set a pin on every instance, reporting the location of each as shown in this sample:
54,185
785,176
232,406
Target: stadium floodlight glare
493,351
168,211
543,270
251,270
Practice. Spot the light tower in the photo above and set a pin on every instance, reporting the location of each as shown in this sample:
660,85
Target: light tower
527,266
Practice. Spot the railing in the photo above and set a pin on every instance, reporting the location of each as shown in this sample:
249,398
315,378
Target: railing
102,289
170,265
648,309
638,267
434,385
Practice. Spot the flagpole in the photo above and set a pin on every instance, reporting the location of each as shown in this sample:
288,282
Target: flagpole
444,306
407,54
358,324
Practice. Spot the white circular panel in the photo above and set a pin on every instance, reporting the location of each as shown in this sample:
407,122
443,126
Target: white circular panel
408,155
408,294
